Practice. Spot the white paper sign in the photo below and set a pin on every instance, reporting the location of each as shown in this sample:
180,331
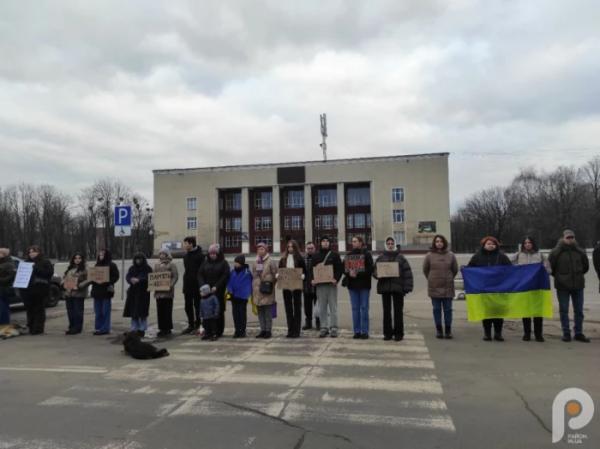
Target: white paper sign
23,275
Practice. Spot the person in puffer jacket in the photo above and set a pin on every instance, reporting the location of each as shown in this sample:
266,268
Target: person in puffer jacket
393,290
239,290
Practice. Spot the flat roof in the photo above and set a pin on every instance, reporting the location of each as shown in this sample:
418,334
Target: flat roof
300,163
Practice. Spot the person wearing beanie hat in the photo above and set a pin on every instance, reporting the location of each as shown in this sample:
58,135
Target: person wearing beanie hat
327,292
239,290
137,304
214,271
164,299
569,264
209,312
489,254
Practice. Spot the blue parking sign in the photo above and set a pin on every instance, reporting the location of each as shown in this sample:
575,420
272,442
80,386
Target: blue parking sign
122,215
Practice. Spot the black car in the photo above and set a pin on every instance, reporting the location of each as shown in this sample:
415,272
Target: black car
56,291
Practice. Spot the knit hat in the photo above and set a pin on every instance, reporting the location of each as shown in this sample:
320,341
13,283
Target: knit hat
325,237
205,290
241,259
568,233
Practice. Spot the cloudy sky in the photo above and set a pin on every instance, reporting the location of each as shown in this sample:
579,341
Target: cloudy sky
110,88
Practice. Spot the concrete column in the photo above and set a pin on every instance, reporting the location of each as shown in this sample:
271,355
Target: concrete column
308,229
276,221
245,220
341,209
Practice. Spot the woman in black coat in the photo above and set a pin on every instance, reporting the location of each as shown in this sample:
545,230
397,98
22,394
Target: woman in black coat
137,304
38,291
214,271
489,255
292,258
103,293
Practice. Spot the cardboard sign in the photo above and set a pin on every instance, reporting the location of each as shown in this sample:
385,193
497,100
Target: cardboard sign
70,283
23,275
99,275
354,262
388,270
159,282
289,279
323,274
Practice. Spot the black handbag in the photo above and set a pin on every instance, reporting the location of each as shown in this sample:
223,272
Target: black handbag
265,287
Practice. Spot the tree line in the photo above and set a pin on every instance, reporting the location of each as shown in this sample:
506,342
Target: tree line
62,224
538,204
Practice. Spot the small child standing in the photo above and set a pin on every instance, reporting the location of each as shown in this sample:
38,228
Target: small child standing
239,288
209,311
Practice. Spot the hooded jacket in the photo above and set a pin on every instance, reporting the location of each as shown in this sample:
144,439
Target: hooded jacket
569,263
215,273
402,284
163,266
362,281
82,283
107,289
137,304
440,269
192,261
240,283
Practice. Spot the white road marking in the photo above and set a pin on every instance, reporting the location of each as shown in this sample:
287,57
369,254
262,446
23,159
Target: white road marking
63,401
57,369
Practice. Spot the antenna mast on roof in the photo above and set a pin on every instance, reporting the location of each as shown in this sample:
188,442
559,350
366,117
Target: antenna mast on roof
324,134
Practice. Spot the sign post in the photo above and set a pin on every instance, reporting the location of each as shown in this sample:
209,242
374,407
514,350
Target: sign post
122,229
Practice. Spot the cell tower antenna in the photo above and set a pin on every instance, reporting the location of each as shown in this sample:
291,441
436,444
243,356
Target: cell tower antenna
324,135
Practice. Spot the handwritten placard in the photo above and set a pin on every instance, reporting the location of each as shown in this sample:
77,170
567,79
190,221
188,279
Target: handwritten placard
70,283
99,275
354,262
23,275
323,274
159,282
388,270
289,279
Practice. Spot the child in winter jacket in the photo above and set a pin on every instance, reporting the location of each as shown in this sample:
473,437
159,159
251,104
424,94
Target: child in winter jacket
209,311
239,289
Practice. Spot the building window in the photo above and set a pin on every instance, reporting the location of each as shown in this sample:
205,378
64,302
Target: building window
191,203
294,199
358,221
326,222
398,215
400,237
192,223
263,223
427,226
233,201
232,241
259,239
326,198
293,223
233,224
263,200
358,196
398,195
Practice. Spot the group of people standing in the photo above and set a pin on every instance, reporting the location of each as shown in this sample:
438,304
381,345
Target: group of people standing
209,283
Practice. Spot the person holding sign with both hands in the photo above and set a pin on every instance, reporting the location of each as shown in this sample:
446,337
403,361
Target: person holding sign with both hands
393,284
76,285
164,298
327,288
292,259
358,268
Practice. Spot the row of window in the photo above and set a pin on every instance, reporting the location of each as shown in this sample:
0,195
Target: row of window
294,199
296,222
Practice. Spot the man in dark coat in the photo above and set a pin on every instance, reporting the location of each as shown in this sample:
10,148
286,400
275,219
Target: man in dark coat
569,263
310,297
215,272
192,261
38,291
596,259
137,304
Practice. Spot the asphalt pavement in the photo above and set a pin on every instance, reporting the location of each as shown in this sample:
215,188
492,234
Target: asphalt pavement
82,392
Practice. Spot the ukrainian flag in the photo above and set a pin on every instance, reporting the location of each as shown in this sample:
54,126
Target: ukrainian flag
507,291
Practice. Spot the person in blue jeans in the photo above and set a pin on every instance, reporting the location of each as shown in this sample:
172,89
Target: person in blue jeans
104,292
75,297
358,269
239,290
569,263
7,276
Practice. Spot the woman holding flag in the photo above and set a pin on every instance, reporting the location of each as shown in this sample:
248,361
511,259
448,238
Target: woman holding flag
490,255
528,254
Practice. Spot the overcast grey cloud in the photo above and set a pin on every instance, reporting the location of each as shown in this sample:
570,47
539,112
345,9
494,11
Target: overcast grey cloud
106,88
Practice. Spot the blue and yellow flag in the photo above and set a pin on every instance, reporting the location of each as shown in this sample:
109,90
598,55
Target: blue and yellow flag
507,291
